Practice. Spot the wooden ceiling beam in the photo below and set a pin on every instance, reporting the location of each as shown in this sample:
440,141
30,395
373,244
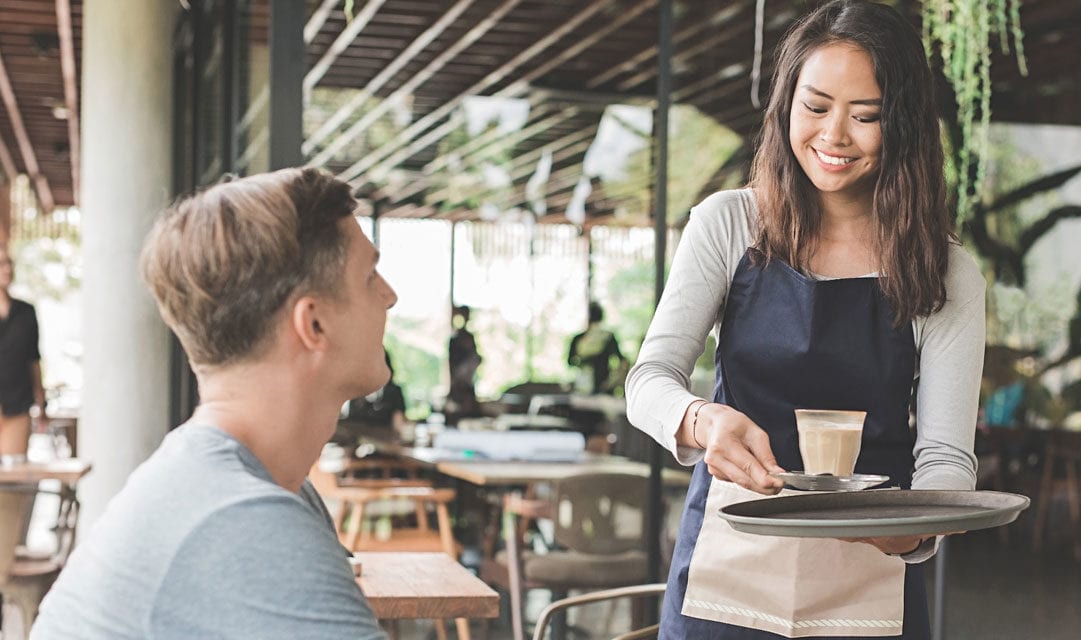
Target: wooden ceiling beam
516,88
407,88
341,43
376,83
319,17
7,162
71,96
41,183
381,154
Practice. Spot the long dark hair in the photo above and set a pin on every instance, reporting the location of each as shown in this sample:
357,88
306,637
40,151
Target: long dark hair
912,225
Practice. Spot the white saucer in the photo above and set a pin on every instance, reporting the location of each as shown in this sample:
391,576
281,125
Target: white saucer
827,482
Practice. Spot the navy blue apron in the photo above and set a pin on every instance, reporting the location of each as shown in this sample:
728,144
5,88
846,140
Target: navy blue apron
788,342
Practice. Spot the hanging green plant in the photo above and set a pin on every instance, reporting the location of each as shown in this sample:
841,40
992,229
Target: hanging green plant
962,32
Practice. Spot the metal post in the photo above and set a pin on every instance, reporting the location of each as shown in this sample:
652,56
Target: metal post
589,265
938,623
377,207
453,248
660,226
286,82
230,57
529,346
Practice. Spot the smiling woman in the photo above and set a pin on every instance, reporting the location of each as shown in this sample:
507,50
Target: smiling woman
826,282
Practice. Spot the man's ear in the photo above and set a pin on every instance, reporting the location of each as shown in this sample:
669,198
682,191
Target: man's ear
306,324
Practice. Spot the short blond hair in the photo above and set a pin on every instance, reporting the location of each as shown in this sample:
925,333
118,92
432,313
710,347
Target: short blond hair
223,262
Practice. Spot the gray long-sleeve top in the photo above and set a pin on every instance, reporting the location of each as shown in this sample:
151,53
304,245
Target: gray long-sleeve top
949,345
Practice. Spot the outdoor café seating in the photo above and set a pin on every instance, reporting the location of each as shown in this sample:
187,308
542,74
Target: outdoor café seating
23,580
597,539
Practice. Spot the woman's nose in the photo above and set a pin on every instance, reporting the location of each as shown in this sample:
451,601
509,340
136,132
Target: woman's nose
835,130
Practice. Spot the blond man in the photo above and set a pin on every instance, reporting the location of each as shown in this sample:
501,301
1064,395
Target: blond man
273,292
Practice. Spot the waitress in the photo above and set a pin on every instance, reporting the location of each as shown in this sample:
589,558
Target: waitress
833,282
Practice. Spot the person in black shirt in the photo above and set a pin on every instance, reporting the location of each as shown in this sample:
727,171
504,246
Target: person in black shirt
20,367
379,412
463,360
596,353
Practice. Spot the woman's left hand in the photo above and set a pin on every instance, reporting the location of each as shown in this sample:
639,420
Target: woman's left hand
896,545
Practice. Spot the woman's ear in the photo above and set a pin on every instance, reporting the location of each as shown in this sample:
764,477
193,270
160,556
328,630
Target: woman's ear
306,325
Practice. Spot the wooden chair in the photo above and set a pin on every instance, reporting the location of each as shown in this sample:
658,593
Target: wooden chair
599,540
359,498
25,578
1063,447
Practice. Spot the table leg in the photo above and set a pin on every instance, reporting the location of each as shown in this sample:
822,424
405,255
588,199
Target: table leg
1046,489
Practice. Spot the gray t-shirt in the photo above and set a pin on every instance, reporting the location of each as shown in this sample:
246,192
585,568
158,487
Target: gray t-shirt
201,543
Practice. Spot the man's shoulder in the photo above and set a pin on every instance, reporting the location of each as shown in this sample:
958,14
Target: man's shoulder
191,484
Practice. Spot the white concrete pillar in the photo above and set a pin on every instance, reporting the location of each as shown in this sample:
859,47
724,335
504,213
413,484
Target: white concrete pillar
127,109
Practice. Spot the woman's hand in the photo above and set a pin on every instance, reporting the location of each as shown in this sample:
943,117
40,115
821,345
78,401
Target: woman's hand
736,448
895,546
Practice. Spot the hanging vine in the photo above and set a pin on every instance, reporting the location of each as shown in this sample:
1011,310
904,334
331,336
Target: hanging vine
962,32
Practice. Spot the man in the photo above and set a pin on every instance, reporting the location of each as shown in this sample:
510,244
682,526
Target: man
21,391
593,352
273,292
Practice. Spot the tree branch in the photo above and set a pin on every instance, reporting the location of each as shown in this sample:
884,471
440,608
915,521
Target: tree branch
1046,183
1043,225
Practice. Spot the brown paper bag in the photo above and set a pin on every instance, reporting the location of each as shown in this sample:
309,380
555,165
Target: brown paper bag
794,587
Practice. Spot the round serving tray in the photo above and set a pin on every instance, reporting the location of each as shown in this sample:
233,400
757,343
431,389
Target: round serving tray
875,513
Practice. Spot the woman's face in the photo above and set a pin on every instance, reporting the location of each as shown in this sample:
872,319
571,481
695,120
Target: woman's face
834,125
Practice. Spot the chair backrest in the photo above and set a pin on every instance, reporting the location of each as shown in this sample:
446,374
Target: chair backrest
601,513
13,505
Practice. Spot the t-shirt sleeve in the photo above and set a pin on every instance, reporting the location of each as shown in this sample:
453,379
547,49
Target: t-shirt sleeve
694,295
262,568
951,349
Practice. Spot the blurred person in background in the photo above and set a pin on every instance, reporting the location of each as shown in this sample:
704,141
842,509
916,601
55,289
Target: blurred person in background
22,396
595,352
380,412
463,360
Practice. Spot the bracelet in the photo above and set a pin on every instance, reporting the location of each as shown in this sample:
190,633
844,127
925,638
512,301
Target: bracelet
694,424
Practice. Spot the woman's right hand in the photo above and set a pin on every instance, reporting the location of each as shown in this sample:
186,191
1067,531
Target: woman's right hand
737,449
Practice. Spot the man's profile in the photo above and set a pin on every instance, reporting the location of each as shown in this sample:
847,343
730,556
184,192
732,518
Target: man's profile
273,291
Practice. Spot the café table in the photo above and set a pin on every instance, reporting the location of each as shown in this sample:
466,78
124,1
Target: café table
486,473
410,585
67,470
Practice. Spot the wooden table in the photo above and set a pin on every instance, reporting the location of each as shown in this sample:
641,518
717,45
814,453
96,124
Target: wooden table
405,585
487,473
67,470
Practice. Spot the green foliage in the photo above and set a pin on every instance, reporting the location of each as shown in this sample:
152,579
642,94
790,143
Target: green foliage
416,368
49,268
1023,313
630,292
698,147
962,31
464,179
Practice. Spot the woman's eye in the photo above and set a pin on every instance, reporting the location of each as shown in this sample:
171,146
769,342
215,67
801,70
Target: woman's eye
867,119
814,109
